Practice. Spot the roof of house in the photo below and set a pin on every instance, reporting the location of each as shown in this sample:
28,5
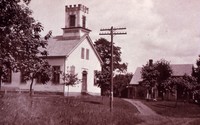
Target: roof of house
137,77
178,70
181,69
60,47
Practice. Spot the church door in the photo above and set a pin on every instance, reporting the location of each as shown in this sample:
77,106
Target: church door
84,81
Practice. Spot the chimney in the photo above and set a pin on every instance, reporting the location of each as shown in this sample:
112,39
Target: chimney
150,62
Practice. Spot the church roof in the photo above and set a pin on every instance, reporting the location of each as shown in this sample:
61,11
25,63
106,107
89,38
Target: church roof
58,46
178,70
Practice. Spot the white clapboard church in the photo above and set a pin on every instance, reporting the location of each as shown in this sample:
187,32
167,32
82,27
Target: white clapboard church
73,51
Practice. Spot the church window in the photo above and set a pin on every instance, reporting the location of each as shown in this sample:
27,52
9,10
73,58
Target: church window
84,21
56,74
82,53
87,54
72,20
72,70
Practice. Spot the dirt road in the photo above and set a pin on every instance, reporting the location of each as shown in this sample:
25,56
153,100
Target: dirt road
150,117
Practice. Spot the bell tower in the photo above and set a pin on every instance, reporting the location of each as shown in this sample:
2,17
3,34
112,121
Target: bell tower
75,21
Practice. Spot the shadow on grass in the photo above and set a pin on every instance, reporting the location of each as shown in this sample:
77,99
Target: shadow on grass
164,106
93,102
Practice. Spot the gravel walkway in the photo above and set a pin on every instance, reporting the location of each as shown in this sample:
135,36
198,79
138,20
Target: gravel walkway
150,117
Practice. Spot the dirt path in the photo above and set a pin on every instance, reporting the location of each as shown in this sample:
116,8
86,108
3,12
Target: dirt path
150,117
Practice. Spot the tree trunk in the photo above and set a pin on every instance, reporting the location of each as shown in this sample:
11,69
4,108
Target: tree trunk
31,86
176,96
162,96
102,99
68,91
0,77
0,81
147,95
152,93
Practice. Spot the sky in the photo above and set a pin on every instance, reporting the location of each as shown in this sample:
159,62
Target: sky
156,29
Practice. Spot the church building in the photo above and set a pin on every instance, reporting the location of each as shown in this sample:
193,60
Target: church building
73,52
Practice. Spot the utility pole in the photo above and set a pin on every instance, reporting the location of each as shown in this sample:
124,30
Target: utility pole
112,33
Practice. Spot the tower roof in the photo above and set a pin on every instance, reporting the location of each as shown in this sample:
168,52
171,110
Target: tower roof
76,7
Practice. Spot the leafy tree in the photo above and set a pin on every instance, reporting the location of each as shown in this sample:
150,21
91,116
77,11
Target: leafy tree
70,80
196,74
149,76
120,82
103,47
154,76
103,81
186,85
37,69
20,39
196,71
165,72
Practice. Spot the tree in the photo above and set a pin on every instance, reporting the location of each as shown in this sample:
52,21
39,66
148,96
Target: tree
154,76
103,47
70,80
149,76
196,71
120,83
196,74
171,84
102,80
165,72
186,86
20,38
37,69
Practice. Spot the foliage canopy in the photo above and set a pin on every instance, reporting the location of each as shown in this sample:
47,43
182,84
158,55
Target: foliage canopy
20,40
103,48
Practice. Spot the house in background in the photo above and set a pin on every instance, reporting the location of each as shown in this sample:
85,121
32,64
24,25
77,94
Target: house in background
135,90
73,52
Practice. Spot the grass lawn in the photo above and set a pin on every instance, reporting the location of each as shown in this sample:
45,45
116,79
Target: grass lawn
50,110
196,122
167,108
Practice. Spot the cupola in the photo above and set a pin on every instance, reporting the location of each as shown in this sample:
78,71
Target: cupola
75,21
